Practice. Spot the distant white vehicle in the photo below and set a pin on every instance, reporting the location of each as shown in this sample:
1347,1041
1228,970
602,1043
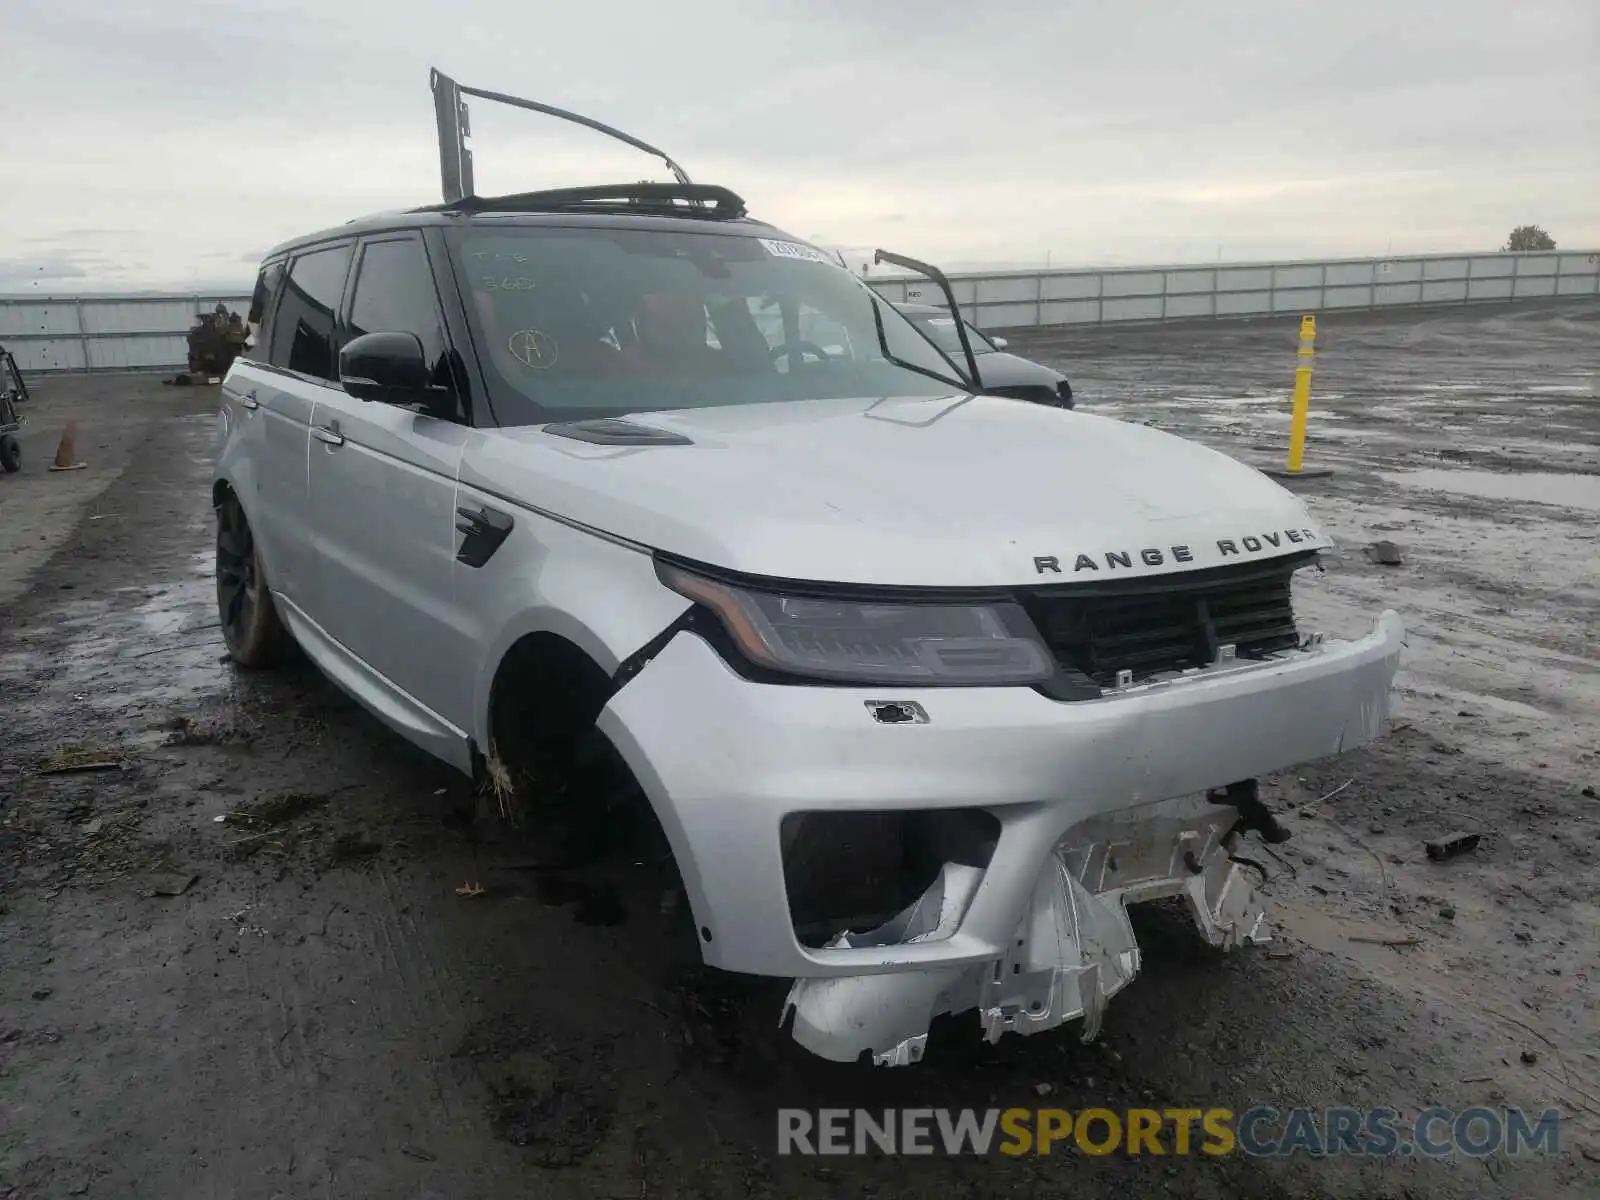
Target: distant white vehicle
623,471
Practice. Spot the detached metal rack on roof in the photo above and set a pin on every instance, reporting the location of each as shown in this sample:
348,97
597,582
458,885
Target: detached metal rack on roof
684,198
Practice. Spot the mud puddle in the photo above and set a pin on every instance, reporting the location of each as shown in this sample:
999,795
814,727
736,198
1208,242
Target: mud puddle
1539,487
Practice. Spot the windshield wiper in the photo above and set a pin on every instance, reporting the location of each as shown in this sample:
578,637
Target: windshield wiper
889,355
938,276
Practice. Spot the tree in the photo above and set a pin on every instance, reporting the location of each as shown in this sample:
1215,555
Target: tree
1530,237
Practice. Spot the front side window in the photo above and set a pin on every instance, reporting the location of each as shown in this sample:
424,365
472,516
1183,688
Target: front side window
302,328
268,280
394,294
593,322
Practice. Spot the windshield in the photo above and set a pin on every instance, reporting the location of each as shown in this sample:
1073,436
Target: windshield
592,322
940,329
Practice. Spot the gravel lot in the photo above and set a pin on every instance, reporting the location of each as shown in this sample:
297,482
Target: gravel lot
321,1014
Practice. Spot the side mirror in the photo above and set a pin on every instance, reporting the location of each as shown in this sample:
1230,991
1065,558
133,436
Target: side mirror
386,367
999,343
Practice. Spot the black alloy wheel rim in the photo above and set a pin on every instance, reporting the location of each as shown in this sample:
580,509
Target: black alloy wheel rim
237,583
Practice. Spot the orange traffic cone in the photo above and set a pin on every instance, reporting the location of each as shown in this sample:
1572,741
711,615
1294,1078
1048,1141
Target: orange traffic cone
67,451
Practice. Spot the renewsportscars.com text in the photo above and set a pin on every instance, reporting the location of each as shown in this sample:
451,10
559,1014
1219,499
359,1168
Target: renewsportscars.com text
1262,1131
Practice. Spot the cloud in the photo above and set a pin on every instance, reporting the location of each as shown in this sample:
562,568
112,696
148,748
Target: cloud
44,271
187,139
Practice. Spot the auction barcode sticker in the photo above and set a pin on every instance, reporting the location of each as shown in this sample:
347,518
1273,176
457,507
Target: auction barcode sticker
795,250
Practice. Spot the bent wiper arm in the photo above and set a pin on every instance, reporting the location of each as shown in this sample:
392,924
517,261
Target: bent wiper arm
938,276
890,356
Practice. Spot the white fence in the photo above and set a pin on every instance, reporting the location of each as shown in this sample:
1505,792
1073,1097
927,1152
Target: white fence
1024,299
135,332
103,333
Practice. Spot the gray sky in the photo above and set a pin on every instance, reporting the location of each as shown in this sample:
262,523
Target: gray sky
153,142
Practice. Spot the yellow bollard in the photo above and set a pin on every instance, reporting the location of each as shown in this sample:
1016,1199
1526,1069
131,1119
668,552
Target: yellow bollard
1302,394
1302,406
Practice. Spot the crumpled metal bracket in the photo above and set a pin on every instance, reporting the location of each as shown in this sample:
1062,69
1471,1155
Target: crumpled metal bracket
1074,947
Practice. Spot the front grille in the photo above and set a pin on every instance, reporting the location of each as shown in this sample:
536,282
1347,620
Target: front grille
1169,623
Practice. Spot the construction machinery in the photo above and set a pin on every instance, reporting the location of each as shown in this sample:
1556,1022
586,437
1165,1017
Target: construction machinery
217,338
13,388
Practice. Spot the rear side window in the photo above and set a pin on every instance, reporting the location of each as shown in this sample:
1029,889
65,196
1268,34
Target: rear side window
268,280
394,294
302,328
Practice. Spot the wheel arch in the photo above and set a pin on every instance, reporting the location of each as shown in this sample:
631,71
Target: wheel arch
548,663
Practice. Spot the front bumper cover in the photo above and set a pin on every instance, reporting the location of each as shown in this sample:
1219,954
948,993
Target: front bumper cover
724,759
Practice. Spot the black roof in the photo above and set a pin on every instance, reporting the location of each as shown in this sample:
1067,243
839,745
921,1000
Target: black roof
635,205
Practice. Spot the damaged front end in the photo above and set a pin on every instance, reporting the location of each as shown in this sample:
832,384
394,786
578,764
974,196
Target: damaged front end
1073,948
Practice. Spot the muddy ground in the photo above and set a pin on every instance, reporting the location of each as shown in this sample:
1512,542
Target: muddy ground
319,1013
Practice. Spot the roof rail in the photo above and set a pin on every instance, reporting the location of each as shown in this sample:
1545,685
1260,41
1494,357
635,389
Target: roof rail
455,160
703,200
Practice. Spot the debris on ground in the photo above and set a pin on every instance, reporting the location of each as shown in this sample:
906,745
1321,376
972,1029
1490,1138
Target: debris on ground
1385,939
170,883
1529,1057
1588,792
73,758
1452,845
1385,553
471,888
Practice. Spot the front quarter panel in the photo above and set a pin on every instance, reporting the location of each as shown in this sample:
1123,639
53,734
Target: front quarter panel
551,577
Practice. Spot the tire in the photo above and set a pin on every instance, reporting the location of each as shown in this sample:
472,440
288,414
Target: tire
10,453
254,635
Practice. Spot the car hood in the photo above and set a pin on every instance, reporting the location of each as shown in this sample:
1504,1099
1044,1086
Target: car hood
999,369
937,491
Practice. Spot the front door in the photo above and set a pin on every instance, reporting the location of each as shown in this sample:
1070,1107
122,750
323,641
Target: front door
280,392
383,513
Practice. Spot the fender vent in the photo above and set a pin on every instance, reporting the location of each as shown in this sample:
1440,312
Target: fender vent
616,431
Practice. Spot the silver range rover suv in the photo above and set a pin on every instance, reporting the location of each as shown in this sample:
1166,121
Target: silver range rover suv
521,473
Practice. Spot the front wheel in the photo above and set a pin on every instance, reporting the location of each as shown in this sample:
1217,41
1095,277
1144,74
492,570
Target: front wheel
10,453
250,626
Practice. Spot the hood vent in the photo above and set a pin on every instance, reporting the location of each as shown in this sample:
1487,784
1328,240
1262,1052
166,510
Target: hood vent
616,431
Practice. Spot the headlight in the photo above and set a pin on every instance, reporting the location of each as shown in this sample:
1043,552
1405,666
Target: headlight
887,642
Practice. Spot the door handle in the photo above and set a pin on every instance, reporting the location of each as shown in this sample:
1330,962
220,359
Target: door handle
328,433
248,400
